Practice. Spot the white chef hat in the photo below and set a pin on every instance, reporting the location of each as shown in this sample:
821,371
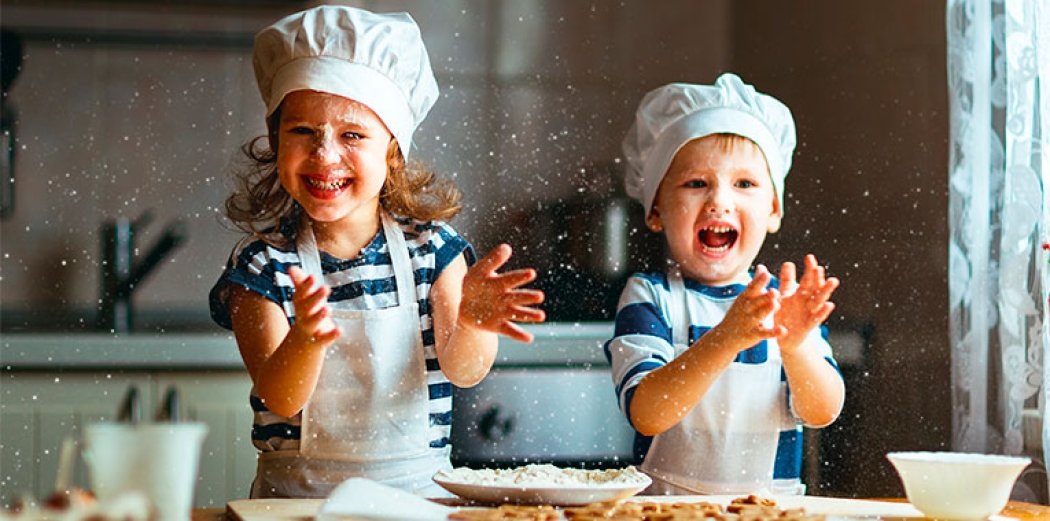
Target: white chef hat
377,59
671,116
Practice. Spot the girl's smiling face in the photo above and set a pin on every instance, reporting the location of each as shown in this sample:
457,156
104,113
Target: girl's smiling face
715,205
332,155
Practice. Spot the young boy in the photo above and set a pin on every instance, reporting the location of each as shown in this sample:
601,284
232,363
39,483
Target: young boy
718,364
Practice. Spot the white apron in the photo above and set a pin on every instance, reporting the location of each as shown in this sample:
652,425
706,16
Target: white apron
369,414
719,448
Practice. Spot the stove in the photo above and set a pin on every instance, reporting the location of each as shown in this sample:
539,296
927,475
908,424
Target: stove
551,401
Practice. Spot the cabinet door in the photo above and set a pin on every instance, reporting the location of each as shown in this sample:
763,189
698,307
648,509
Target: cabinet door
39,409
219,399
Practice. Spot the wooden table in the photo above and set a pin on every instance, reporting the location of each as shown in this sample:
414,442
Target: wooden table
1015,510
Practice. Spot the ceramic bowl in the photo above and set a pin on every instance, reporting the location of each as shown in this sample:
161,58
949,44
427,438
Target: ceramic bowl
957,486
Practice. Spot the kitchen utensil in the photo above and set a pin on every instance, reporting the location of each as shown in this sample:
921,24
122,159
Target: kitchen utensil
159,460
66,460
955,485
131,408
169,407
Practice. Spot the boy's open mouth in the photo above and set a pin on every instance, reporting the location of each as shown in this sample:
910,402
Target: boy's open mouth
717,238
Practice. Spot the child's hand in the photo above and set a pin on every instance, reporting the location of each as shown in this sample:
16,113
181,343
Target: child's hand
804,304
495,301
747,320
313,327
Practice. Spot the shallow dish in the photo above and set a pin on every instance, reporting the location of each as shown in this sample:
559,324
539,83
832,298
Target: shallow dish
555,495
957,486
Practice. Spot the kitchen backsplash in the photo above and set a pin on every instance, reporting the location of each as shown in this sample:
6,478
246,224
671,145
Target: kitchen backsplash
134,107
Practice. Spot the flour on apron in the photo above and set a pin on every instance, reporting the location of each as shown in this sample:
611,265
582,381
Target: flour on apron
727,443
369,414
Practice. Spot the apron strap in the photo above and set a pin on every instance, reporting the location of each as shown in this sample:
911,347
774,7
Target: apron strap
307,246
398,248
403,275
678,308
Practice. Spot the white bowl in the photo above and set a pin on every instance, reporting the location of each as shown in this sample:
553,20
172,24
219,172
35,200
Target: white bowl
956,485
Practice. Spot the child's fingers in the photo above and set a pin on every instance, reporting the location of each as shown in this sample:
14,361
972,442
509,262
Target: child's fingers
494,260
513,279
304,283
788,282
829,287
771,331
296,273
310,315
314,299
815,273
326,335
823,312
513,331
758,283
527,314
526,297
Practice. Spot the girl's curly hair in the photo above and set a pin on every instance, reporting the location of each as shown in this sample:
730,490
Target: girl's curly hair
260,206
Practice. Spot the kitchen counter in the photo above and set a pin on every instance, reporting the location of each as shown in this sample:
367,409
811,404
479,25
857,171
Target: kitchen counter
87,351
303,510
560,344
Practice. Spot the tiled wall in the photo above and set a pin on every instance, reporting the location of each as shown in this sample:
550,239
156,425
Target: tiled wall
136,106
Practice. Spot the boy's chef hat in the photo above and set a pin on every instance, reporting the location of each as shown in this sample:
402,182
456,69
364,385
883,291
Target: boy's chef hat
376,59
672,115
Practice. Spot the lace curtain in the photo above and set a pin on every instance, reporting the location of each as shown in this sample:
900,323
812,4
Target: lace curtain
999,263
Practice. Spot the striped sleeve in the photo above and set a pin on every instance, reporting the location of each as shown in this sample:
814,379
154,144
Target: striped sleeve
260,268
642,338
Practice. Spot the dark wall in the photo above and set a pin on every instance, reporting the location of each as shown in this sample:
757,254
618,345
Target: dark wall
866,82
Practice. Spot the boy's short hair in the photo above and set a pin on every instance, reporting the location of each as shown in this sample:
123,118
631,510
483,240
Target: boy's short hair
677,113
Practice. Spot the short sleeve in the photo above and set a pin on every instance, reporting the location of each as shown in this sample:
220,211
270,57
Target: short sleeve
642,339
257,267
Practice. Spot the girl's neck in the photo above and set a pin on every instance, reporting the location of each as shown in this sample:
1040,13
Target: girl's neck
346,238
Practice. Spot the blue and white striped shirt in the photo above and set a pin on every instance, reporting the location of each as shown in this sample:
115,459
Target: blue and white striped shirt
365,282
642,343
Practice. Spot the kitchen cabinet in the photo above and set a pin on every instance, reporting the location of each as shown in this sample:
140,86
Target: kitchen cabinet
39,408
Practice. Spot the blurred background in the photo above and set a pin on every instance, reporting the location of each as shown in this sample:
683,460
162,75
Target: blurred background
136,110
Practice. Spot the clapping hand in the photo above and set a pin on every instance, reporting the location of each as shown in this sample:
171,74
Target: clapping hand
804,304
747,321
313,326
495,301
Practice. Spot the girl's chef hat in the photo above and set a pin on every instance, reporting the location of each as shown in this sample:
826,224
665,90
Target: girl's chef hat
376,59
672,115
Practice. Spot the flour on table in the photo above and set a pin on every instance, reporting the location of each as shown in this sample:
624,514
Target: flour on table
538,475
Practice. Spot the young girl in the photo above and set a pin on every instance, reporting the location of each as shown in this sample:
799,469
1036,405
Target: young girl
351,300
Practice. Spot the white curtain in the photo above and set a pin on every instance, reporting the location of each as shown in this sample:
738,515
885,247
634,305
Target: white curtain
999,266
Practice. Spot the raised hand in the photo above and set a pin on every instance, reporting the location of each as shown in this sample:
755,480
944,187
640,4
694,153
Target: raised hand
747,321
313,326
804,304
495,301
